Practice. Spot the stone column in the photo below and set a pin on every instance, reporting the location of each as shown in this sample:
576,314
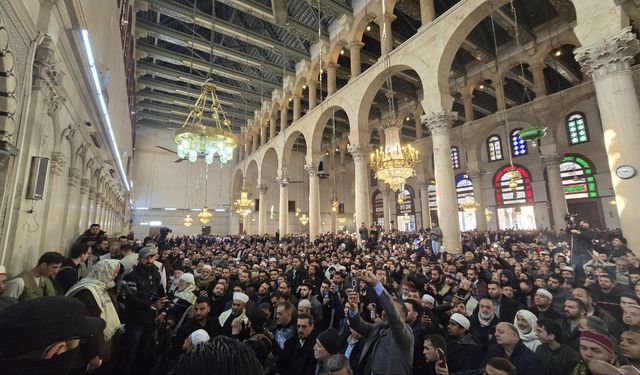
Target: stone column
440,124
331,78
386,206
255,143
246,224
468,107
386,35
423,187
609,63
478,196
313,92
85,205
418,124
92,209
99,202
283,218
263,134
500,99
262,210
284,115
314,200
354,58
297,107
556,191
539,83
272,125
427,11
360,153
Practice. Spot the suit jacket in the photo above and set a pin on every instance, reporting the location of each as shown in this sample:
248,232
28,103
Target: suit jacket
298,359
389,350
508,309
296,280
354,357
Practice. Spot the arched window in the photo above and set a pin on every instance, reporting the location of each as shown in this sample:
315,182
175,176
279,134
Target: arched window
577,177
518,145
494,148
431,192
577,131
523,192
464,187
455,157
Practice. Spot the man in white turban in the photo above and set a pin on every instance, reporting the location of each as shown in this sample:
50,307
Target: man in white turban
237,310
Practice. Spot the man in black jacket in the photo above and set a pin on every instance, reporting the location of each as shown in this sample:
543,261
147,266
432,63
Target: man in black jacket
143,295
505,307
297,274
464,351
93,235
509,346
297,357
200,320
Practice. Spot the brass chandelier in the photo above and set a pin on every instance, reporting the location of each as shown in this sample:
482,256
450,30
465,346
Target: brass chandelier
244,206
469,204
194,138
205,215
394,163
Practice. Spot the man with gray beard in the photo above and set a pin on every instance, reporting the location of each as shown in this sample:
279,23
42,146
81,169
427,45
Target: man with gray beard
483,323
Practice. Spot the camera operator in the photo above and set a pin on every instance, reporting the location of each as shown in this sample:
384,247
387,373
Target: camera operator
582,240
143,297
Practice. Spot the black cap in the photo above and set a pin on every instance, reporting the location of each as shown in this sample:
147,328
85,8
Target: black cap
40,322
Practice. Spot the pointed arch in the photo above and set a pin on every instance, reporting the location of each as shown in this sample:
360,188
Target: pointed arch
523,192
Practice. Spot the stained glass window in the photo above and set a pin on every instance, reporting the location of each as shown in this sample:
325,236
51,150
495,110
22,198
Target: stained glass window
577,177
505,195
518,145
577,131
464,187
455,157
494,148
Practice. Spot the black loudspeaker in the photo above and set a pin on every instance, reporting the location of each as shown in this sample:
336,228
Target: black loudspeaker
37,178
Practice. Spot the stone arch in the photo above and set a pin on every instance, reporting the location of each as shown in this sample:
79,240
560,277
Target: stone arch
476,11
236,183
361,20
320,125
288,146
252,173
269,161
398,63
8,83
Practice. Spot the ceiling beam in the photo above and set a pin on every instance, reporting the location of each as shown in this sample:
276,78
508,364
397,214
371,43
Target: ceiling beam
182,112
265,14
508,23
189,15
562,68
331,7
186,41
176,100
182,90
185,60
176,75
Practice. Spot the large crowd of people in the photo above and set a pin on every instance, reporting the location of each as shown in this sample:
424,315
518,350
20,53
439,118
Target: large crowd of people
372,302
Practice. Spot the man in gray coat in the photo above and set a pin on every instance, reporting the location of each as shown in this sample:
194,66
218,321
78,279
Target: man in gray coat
388,347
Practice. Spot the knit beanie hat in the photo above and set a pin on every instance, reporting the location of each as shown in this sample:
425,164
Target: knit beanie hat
597,338
330,340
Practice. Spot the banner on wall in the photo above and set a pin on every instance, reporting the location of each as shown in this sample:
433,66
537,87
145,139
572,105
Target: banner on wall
378,206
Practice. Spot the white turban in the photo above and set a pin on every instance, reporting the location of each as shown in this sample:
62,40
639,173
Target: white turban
199,336
241,297
188,278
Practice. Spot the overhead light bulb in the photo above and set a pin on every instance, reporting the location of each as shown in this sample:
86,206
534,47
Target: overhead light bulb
558,53
193,156
342,51
304,87
481,87
368,27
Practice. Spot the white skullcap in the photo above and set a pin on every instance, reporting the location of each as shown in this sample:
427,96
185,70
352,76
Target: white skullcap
199,336
272,259
188,278
207,267
2,270
545,293
428,298
240,296
304,303
462,320
567,268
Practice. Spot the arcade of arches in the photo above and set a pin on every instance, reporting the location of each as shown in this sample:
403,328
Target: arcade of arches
572,70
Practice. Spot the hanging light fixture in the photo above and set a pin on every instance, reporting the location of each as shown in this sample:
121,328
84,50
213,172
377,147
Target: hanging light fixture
205,215
488,214
243,205
469,204
394,163
335,205
514,177
517,211
304,219
187,221
194,138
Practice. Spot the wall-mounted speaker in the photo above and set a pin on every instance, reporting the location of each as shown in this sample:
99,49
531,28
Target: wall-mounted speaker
37,178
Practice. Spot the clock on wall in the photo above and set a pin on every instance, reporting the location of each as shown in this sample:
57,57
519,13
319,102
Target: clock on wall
625,172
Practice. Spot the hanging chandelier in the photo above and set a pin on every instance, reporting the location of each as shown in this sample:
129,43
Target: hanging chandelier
469,204
514,176
335,205
394,163
488,214
194,138
243,205
304,219
187,221
205,215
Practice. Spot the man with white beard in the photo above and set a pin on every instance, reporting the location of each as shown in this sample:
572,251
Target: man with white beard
483,323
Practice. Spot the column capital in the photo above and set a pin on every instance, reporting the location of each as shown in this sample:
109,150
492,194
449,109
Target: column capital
58,161
332,66
551,160
611,56
439,122
475,173
354,44
262,189
84,186
74,176
359,151
311,168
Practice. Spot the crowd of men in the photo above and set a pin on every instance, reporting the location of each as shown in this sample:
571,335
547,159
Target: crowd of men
373,302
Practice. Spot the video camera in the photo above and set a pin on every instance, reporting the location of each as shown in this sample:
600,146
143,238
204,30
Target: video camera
164,231
571,221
